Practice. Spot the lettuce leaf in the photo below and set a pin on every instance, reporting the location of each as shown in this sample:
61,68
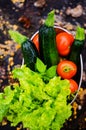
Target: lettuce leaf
35,103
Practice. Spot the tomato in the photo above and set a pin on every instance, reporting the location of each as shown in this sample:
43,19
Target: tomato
71,37
73,85
66,69
36,41
64,41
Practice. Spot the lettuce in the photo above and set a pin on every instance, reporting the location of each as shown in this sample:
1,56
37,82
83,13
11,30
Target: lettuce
35,103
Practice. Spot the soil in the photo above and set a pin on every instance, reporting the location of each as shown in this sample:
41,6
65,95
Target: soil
27,18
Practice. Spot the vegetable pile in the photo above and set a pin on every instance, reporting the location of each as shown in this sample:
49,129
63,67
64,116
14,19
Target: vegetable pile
60,49
40,99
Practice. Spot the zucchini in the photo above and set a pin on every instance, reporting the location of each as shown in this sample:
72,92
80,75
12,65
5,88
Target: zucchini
77,46
29,50
30,54
47,42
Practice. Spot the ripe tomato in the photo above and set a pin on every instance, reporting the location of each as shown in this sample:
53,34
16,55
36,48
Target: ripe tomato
36,41
66,69
73,85
64,41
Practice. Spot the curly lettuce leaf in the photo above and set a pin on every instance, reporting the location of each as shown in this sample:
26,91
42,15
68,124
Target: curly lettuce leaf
38,105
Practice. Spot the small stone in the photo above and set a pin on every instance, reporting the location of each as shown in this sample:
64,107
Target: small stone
4,32
4,122
8,42
69,26
85,119
15,27
15,1
79,107
41,21
57,11
75,12
40,3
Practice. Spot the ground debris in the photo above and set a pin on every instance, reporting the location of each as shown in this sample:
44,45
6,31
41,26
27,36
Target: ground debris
75,12
18,3
25,21
40,3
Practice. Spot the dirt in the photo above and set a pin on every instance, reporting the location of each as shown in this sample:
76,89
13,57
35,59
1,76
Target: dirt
27,18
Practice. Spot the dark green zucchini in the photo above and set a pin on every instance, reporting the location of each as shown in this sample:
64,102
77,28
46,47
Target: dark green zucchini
30,54
77,46
29,50
47,42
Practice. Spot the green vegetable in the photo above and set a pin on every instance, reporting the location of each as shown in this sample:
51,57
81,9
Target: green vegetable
78,45
45,73
40,66
30,52
47,42
37,105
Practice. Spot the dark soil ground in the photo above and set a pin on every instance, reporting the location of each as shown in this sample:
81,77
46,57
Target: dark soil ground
32,18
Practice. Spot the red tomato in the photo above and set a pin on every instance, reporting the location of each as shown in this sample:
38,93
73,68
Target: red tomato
36,41
71,37
64,41
73,85
66,69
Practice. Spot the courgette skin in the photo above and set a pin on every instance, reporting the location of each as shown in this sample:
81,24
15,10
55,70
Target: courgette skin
77,46
47,45
30,54
28,48
76,50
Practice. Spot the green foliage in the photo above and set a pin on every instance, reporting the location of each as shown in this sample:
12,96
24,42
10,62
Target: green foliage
35,103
